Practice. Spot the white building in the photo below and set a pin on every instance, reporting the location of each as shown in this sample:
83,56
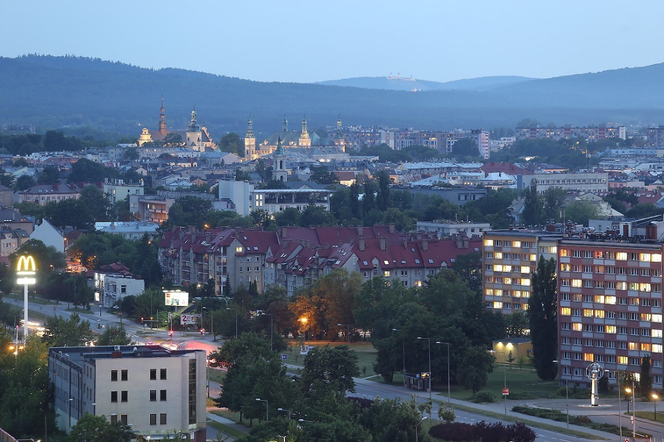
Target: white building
49,235
131,230
112,287
445,229
156,390
118,190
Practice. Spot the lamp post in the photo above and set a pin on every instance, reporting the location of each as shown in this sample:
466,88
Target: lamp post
303,321
654,404
417,436
403,354
267,409
633,392
348,327
286,410
430,377
449,395
235,310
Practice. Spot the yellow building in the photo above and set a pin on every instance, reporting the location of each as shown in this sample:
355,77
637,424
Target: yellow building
512,350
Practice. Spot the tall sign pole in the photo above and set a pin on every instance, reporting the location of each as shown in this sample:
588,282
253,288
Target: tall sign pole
26,271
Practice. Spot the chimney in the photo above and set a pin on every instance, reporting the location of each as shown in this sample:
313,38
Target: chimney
360,230
466,243
383,243
392,228
425,245
284,232
361,243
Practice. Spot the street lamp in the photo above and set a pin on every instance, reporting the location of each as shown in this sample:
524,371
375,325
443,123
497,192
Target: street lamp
430,377
654,404
403,354
284,409
417,436
304,320
449,395
235,310
267,409
348,327
633,391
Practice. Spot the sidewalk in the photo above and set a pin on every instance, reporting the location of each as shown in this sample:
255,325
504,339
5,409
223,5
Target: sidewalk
229,423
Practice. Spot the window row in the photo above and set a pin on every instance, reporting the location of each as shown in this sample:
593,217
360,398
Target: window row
503,243
507,280
616,285
509,306
124,375
153,374
509,268
511,256
507,293
618,256
610,270
595,313
609,329
162,419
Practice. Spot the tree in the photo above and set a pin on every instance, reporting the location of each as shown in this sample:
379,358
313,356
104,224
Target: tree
24,182
581,212
465,147
332,367
383,199
131,154
91,428
476,363
49,175
553,199
61,332
231,142
517,325
321,175
542,317
532,207
93,200
172,140
86,171
114,335
189,211
645,380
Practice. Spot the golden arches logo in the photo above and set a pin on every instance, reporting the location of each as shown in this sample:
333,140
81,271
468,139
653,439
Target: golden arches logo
26,264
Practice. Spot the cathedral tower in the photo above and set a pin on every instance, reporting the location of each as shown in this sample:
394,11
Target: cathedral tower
194,133
250,142
339,139
305,140
162,120
279,172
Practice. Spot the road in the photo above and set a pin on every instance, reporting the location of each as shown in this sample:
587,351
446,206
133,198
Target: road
607,412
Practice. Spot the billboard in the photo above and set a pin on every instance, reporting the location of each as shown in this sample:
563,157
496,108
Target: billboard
190,319
176,298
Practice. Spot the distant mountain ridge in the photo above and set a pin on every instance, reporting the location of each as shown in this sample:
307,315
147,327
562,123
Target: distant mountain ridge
396,83
54,92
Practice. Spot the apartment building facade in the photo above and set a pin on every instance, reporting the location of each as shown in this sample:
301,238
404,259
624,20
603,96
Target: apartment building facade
156,390
609,306
510,258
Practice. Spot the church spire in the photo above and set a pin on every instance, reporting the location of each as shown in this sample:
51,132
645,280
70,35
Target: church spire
305,140
285,124
304,126
162,119
193,125
250,128
279,150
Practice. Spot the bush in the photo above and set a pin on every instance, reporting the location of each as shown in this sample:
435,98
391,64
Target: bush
581,420
484,397
484,432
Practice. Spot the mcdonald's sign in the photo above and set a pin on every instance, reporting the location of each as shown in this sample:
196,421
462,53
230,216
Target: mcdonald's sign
26,270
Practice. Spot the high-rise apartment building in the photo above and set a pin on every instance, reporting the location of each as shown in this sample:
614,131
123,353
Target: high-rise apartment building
609,306
510,258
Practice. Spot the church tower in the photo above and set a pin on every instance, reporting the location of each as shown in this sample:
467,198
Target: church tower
339,139
162,120
194,133
250,142
279,172
305,140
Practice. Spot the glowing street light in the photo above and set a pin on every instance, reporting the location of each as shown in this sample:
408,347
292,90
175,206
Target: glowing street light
26,271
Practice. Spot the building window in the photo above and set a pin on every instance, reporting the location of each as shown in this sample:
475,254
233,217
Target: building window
162,374
125,375
162,395
114,418
125,394
162,418
124,419
153,419
153,374
114,396
153,395
114,375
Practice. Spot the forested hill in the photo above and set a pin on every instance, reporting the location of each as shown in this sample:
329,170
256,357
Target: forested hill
401,84
55,92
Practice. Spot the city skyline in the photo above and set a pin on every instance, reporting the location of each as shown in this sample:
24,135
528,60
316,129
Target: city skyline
308,42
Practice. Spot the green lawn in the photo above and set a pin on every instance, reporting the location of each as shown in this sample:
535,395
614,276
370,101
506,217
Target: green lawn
232,432
366,355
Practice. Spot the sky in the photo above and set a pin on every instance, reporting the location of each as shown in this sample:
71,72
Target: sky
317,40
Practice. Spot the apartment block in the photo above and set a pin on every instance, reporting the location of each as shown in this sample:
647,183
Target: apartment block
155,390
609,306
510,258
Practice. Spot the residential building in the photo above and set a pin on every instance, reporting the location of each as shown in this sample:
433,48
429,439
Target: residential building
593,182
43,194
156,390
448,228
655,137
117,190
592,133
49,235
510,258
609,305
131,230
113,282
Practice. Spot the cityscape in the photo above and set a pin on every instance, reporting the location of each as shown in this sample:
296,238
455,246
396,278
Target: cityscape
425,231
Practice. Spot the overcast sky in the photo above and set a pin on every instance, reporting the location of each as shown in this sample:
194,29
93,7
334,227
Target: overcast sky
315,40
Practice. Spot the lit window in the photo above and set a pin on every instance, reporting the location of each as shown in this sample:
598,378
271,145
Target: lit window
657,348
576,283
386,273
516,243
497,305
588,312
238,249
566,311
610,329
498,255
656,257
644,257
588,357
621,256
623,360
488,242
657,318
576,326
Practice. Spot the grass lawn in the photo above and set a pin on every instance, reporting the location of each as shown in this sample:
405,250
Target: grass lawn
217,375
223,412
232,432
366,355
650,415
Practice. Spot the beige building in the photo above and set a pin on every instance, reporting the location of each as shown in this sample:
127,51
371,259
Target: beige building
577,182
156,390
510,258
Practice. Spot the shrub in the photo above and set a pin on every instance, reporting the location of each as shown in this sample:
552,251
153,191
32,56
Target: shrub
484,432
484,397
